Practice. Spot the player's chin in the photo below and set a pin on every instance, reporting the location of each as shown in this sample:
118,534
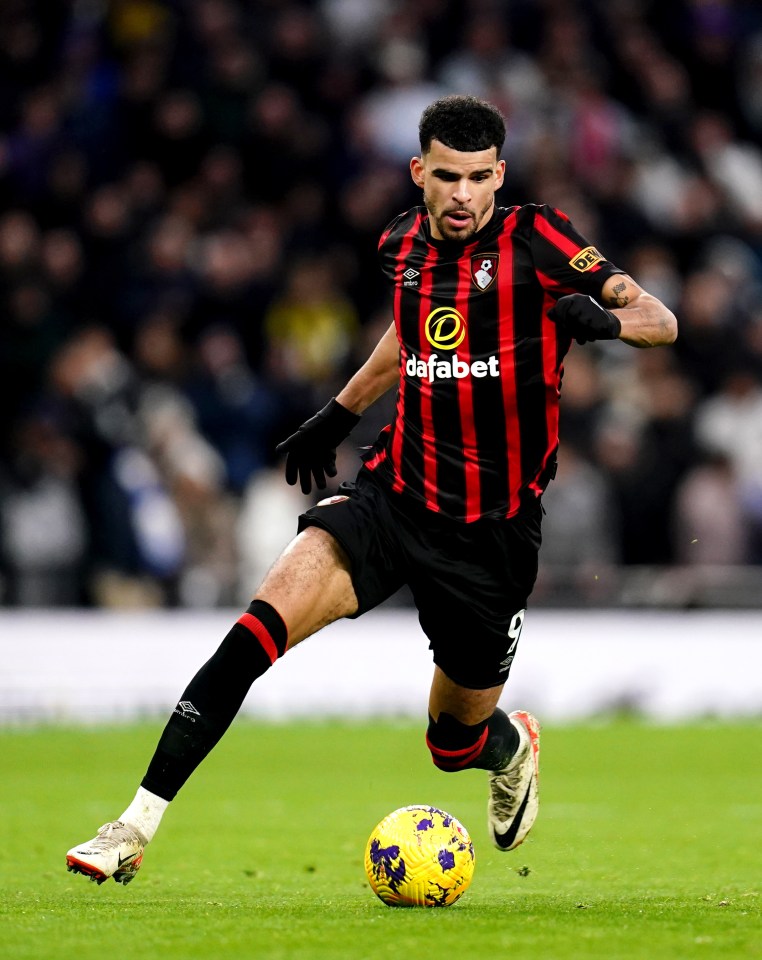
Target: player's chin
450,232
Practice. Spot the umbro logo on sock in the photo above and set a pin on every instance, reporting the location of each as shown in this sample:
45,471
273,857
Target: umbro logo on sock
186,709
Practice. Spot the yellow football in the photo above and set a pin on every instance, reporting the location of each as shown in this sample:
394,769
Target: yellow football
419,856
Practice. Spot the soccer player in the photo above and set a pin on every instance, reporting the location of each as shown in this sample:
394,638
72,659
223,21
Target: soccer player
487,301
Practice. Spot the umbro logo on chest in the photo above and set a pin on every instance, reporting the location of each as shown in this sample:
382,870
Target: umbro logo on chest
483,272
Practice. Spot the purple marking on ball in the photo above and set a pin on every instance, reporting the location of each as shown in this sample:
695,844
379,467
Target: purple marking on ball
382,858
378,853
446,859
425,825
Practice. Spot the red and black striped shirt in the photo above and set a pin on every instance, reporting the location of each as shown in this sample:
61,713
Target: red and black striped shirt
475,431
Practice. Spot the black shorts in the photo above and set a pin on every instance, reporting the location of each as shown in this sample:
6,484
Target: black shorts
470,581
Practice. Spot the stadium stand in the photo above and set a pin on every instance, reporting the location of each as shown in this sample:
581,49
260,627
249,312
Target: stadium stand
191,193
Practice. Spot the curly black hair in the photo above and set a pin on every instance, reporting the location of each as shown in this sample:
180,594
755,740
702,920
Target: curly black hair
462,123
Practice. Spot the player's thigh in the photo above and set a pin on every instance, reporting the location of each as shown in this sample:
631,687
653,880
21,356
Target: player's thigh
471,591
360,521
464,703
310,584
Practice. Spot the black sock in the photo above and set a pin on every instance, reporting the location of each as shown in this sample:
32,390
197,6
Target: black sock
502,742
487,745
214,696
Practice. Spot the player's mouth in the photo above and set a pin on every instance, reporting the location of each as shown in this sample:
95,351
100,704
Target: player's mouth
457,219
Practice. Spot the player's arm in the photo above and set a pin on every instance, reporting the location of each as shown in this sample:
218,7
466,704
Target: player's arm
645,321
623,311
311,451
378,374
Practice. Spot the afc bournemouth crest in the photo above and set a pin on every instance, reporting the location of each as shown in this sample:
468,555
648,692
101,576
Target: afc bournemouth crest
484,269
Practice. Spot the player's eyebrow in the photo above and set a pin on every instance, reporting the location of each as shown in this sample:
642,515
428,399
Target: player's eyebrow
454,175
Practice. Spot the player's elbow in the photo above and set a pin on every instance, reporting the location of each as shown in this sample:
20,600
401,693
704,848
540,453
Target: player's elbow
653,330
668,328
660,327
661,323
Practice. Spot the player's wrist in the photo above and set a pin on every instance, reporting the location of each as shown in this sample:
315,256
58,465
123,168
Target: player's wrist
584,319
611,326
340,416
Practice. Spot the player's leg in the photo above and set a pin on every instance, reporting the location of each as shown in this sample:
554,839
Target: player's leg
311,584
308,587
466,726
471,595
467,729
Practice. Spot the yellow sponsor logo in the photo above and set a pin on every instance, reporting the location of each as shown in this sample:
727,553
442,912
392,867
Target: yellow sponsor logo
585,259
445,328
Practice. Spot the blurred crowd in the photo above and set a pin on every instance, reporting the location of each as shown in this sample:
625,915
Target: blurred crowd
191,194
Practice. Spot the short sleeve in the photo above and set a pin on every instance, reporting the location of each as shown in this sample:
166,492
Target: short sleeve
565,262
389,245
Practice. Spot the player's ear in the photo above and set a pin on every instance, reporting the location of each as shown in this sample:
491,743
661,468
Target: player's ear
416,171
499,174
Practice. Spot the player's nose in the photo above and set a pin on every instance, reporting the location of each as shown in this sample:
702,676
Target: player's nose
461,193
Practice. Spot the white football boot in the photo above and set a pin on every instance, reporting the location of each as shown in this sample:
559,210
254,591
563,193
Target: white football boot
116,852
513,799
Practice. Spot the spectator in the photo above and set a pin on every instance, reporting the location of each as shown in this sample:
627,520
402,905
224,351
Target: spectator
387,118
579,528
730,424
709,523
310,328
43,528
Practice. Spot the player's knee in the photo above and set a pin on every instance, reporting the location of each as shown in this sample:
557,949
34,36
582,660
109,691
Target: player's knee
454,745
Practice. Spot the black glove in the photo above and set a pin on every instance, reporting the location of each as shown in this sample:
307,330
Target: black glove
584,319
311,451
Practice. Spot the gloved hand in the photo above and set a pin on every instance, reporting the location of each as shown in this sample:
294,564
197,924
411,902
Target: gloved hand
584,319
311,451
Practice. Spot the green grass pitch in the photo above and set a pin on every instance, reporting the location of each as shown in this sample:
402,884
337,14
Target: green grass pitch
648,844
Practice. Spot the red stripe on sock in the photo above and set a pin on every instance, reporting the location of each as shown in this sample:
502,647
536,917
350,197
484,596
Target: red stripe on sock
458,753
262,634
454,759
461,764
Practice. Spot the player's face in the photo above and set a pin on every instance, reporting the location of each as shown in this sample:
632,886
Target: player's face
458,188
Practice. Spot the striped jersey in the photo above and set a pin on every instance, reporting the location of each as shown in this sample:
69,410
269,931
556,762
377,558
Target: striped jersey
475,430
